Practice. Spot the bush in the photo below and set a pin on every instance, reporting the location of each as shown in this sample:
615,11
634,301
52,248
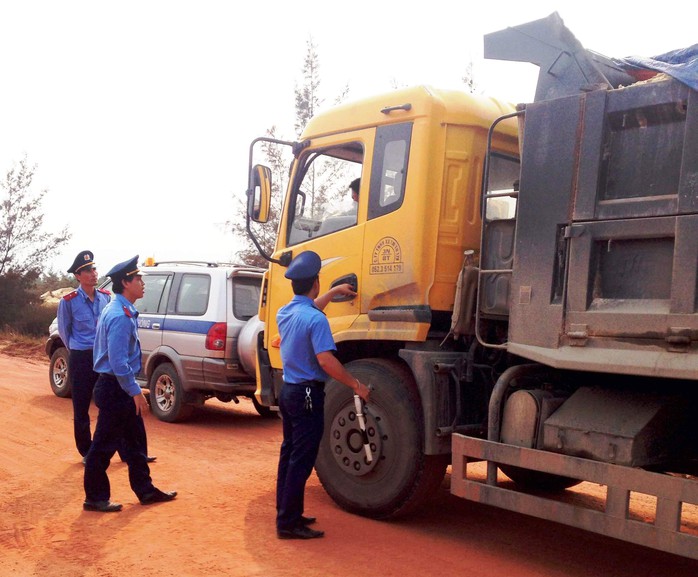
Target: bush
22,311
35,320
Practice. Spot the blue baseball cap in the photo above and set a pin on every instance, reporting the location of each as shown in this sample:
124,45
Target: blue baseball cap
305,265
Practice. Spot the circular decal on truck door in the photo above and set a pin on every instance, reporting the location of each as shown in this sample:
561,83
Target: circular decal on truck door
387,257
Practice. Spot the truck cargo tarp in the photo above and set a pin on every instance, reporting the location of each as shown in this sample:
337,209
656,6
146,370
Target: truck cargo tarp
681,64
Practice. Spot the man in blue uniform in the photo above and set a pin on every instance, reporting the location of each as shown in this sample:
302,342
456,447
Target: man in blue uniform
307,356
78,312
121,403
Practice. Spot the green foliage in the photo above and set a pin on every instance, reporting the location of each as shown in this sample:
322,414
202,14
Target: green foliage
308,102
323,174
22,310
24,246
24,250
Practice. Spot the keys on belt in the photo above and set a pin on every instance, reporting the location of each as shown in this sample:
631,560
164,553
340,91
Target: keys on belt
308,400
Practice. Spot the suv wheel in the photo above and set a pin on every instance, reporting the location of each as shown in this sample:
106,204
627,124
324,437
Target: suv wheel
167,396
58,373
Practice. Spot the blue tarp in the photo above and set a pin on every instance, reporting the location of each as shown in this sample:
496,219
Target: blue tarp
681,64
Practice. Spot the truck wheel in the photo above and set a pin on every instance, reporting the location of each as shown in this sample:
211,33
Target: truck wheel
400,477
166,395
535,480
263,411
58,373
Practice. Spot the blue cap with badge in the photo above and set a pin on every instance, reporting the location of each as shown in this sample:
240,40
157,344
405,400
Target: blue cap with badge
305,265
125,269
84,258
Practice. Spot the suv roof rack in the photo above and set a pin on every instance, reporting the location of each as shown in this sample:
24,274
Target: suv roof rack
195,263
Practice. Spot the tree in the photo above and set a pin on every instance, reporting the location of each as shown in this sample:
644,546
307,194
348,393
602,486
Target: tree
24,249
277,157
24,246
469,79
308,102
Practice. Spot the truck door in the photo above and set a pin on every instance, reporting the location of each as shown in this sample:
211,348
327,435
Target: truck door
323,216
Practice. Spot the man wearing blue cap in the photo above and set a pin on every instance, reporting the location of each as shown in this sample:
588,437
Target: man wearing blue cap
307,356
121,403
78,312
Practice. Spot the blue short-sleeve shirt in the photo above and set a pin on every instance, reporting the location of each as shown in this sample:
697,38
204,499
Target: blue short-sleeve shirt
305,332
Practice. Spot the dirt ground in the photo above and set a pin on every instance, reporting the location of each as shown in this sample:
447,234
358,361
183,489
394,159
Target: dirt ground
222,462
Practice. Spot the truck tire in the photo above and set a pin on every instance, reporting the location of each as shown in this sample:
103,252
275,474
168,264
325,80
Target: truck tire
263,411
400,477
58,373
167,396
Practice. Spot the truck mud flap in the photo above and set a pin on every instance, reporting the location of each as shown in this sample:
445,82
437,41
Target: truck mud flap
665,532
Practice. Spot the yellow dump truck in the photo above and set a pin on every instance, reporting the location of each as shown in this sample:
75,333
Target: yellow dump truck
526,284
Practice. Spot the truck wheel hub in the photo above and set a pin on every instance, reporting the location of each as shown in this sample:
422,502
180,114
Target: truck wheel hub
347,443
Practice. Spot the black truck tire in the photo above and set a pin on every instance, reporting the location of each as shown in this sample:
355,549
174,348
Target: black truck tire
400,477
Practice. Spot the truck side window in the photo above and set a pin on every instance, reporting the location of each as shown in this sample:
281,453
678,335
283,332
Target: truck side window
322,201
389,171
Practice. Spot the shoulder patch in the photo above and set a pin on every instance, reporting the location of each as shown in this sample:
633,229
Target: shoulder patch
70,296
127,312
104,291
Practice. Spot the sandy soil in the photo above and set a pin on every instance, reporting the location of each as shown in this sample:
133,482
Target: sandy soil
222,462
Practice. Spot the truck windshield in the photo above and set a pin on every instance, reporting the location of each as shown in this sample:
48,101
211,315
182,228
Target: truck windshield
323,201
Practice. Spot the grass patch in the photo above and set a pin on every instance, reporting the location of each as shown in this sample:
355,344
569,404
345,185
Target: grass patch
15,344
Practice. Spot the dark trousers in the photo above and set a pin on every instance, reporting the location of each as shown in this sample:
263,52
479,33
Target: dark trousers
83,380
302,429
118,427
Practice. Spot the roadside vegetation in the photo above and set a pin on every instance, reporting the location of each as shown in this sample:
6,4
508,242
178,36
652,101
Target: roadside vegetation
14,344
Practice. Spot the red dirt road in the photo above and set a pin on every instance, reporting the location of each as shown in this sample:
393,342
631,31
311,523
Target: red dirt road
223,464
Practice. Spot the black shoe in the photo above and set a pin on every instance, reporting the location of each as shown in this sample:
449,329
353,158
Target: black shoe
148,459
158,496
101,506
300,532
307,520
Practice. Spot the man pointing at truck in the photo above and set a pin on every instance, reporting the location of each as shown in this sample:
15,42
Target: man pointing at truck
307,356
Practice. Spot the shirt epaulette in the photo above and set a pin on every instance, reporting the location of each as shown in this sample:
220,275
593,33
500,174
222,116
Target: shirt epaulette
128,313
70,296
104,291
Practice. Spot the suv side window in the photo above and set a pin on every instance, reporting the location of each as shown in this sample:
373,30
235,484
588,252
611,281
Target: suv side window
157,288
194,290
246,297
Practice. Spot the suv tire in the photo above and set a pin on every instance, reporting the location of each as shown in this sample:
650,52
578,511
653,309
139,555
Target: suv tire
166,395
58,373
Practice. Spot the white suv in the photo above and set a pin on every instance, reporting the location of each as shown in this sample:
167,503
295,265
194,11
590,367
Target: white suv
190,319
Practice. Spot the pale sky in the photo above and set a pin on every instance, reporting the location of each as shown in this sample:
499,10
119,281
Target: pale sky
139,114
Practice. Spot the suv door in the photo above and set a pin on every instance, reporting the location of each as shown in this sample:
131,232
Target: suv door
151,310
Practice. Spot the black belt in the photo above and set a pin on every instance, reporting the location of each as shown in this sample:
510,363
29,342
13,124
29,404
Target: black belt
319,384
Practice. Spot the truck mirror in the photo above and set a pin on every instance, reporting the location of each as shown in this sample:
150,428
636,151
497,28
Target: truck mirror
259,193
